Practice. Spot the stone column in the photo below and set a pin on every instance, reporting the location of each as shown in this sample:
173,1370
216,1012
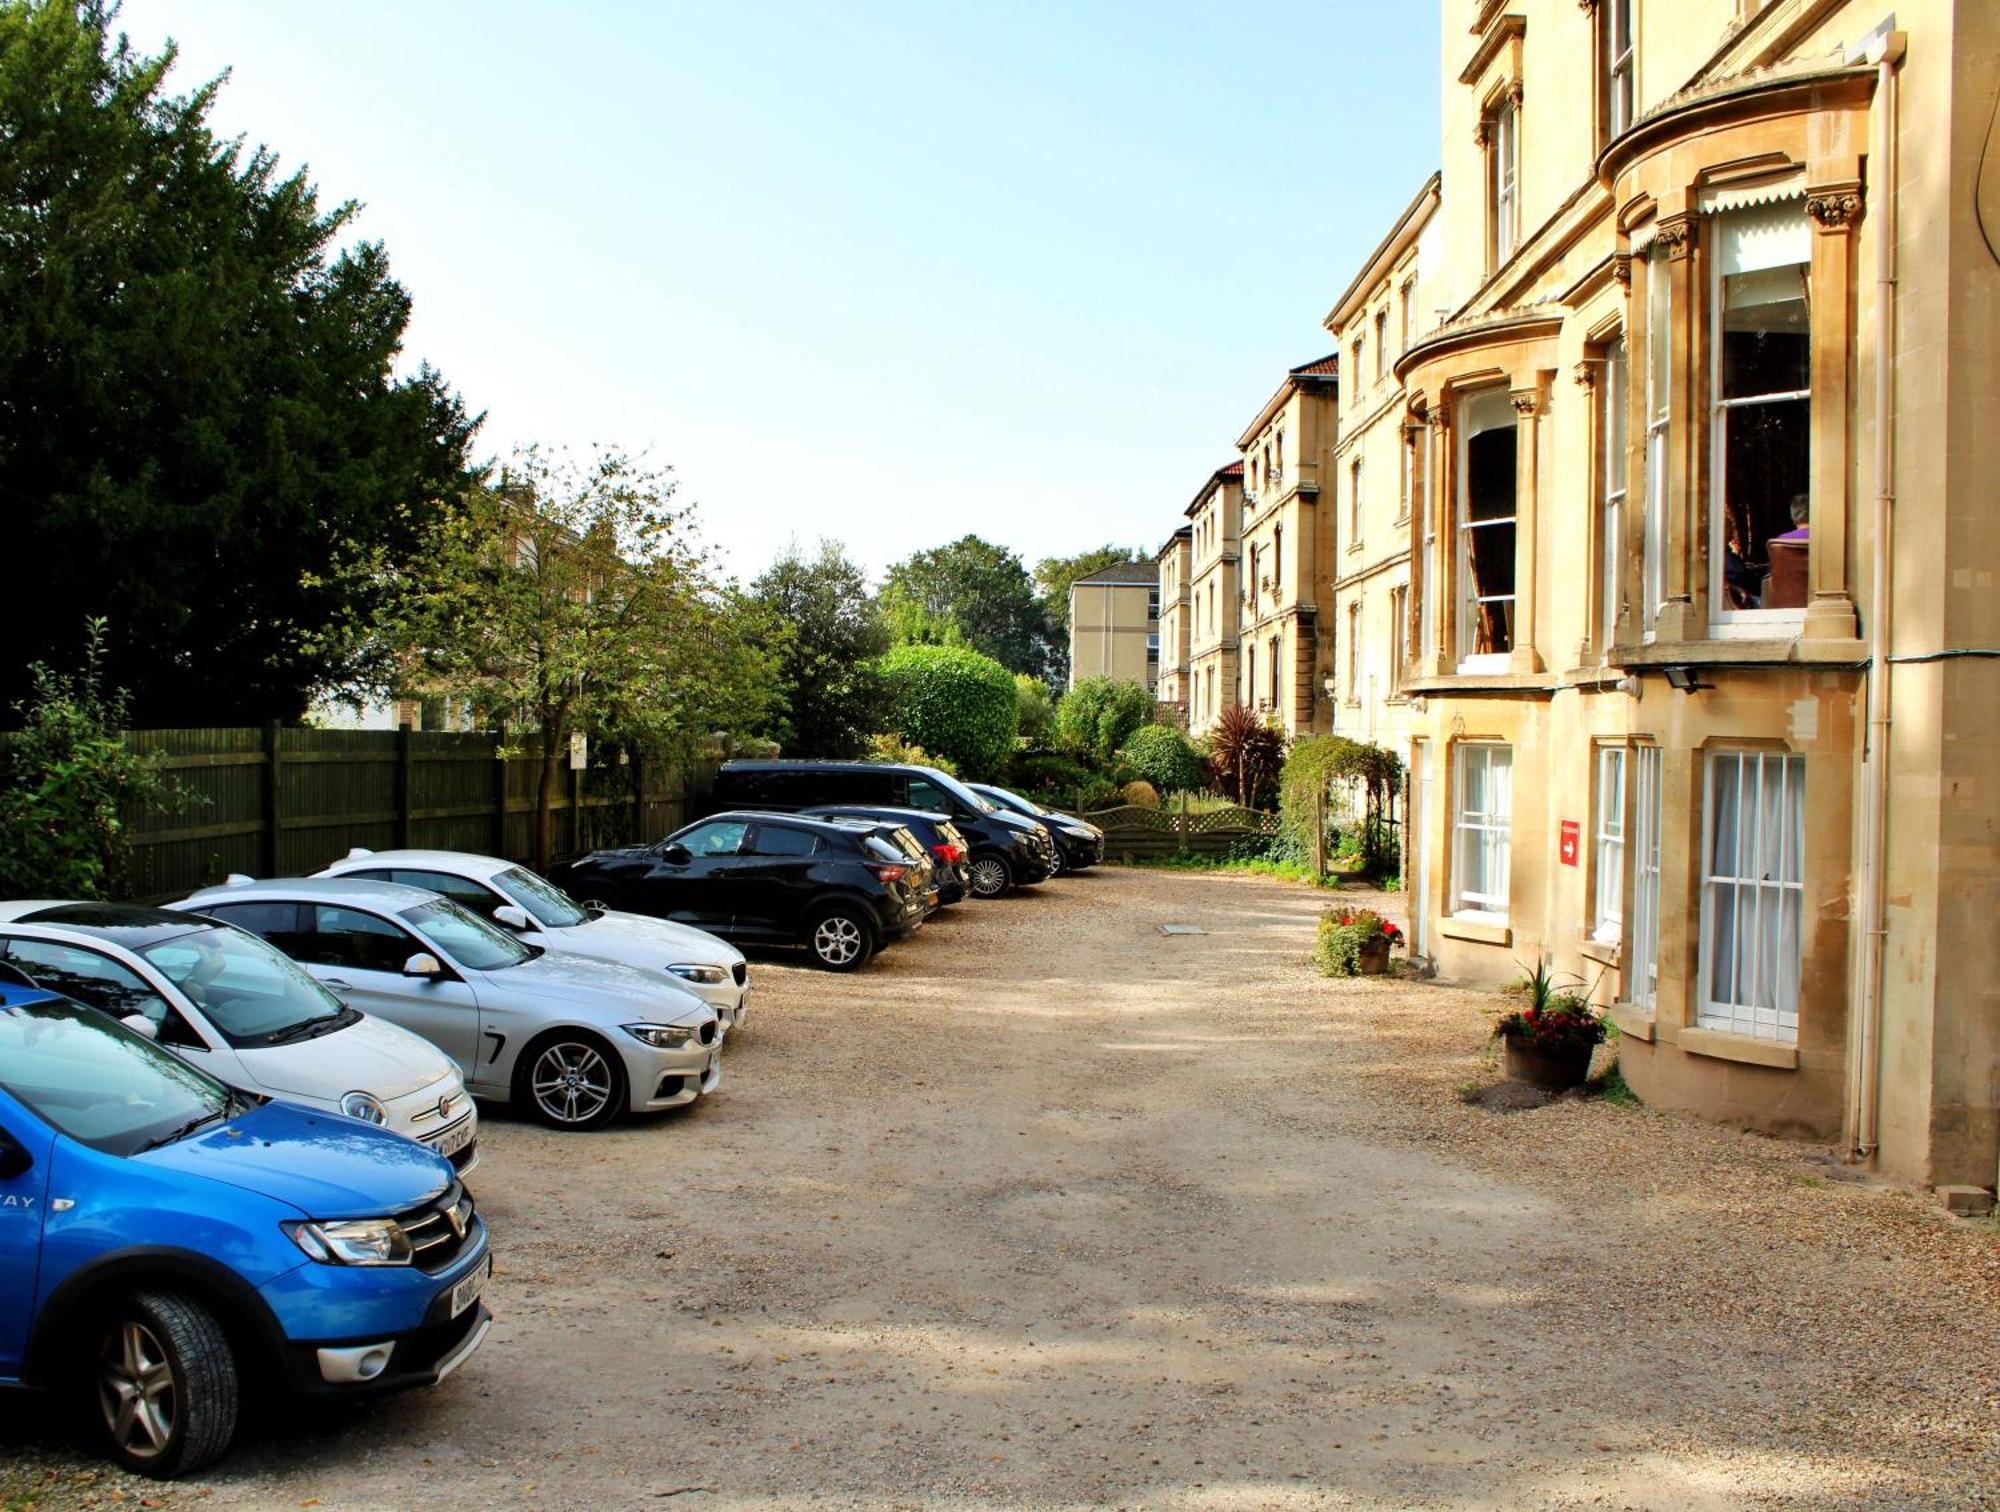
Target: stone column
1835,210
1684,591
1528,403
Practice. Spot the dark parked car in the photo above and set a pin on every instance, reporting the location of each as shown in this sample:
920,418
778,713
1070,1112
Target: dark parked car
1079,843
935,832
833,887
1008,849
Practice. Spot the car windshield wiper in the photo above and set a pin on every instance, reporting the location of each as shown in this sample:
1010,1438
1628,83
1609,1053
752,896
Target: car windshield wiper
304,1029
187,1128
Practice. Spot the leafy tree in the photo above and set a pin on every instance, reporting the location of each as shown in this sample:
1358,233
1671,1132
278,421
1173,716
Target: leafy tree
1054,577
1166,758
70,778
1245,755
201,429
572,597
1038,710
953,701
830,684
1098,715
969,593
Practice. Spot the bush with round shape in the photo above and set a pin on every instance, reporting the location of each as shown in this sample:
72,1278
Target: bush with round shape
1165,757
955,702
1098,715
1141,794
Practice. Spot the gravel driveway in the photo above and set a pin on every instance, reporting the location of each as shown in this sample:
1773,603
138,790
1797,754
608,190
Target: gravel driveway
1049,1207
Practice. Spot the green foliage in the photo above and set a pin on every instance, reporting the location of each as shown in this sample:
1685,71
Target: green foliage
1324,763
969,593
895,751
1555,1015
1100,793
1140,793
206,436
69,776
828,679
1098,716
1038,710
1166,758
953,701
1048,778
1053,579
1613,1089
1343,932
1245,756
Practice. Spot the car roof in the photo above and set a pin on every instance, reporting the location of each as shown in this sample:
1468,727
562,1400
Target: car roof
759,816
463,863
393,896
123,924
878,809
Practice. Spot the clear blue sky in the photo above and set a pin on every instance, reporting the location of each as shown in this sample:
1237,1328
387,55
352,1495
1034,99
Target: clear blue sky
874,269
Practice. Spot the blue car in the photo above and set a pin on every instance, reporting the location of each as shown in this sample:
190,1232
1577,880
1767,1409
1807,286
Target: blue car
169,1246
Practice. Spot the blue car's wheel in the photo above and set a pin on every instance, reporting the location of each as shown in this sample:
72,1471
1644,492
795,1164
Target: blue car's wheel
166,1385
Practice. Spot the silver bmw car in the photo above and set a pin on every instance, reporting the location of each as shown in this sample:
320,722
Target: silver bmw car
577,1042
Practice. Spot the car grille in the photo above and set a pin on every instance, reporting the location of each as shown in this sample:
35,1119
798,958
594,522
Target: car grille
741,972
439,1231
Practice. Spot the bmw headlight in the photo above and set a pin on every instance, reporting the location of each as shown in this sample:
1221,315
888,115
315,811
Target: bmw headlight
708,976
663,1036
357,1241
365,1106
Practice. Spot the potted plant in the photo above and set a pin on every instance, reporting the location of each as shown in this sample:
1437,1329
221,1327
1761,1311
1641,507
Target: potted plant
1548,1041
1356,942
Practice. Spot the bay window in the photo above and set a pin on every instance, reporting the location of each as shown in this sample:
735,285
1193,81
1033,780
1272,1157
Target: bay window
1482,814
1760,415
1486,503
1753,894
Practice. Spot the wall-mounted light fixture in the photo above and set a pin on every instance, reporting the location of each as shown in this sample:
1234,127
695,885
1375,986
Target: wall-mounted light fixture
1685,680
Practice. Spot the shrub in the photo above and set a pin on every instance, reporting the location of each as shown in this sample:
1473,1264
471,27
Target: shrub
1343,932
1163,756
1098,715
1141,794
1038,710
69,777
1042,774
1244,757
894,749
1100,792
955,702
1319,762
1555,1017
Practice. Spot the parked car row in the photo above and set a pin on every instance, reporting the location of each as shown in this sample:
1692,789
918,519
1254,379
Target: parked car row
234,1130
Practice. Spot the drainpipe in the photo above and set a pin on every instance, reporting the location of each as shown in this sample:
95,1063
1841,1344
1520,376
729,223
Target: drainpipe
1885,50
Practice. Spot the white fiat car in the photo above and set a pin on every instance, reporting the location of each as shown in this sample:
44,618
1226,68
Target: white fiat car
575,1042
543,914
227,1002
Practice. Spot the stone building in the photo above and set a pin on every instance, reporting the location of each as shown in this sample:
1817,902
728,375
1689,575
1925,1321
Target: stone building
1114,624
1215,523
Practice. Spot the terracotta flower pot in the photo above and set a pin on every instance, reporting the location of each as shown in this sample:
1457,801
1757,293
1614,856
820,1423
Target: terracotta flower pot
1373,957
1554,1068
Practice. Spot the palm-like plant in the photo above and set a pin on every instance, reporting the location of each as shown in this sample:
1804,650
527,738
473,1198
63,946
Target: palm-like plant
1245,754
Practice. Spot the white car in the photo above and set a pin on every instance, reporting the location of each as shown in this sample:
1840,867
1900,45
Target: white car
576,1042
543,914
227,1002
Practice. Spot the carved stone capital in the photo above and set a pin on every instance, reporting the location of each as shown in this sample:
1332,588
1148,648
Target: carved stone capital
1676,236
1483,132
1585,374
1525,401
1836,208
1621,269
1515,92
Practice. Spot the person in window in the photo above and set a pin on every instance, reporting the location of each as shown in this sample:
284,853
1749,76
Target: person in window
1801,520
1739,579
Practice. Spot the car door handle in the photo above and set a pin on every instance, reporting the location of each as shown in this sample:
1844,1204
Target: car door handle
338,984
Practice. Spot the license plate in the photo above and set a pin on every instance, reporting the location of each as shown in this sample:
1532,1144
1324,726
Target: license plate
467,1291
454,1139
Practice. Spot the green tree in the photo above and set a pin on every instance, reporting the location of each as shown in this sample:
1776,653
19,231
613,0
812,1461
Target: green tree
1165,757
574,598
1038,710
1054,577
969,593
1098,715
202,433
827,674
953,701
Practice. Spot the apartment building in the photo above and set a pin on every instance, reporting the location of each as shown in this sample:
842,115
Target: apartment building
1286,593
1175,608
1703,699
1377,475
1114,624
1215,526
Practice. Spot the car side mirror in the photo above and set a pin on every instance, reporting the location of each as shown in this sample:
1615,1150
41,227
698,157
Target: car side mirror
512,917
14,1157
138,1023
676,854
423,964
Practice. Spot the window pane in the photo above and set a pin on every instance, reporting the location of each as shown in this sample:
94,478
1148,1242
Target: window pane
1766,522
1767,332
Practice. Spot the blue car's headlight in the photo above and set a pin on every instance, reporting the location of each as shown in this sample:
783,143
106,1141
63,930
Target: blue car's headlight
356,1241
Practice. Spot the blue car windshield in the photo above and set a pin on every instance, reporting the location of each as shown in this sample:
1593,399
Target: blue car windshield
98,1082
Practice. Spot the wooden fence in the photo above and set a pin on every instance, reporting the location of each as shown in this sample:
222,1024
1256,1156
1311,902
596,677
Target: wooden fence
1132,833
280,802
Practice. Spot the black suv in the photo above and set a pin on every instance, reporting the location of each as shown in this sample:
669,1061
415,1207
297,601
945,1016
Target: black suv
1007,849
838,889
936,833
1078,843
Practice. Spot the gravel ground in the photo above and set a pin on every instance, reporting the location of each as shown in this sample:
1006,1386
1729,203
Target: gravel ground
1048,1207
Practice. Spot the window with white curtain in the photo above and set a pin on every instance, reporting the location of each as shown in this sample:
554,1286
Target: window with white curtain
1486,503
1611,431
1482,813
1753,893
1608,858
1642,946
1761,414
1659,409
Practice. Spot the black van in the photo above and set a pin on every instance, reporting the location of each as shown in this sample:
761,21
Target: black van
1007,849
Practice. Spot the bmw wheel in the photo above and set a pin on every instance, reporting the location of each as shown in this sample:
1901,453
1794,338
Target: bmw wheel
991,876
838,941
573,1081
1055,860
166,1385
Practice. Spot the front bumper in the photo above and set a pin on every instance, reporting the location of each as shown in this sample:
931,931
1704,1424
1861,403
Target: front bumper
662,1079
1080,851
441,1117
